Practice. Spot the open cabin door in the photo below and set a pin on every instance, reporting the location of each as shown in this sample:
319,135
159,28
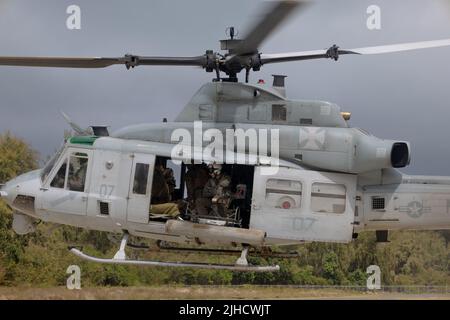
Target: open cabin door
303,205
139,193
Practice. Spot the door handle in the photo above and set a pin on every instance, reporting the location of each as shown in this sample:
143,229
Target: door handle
84,198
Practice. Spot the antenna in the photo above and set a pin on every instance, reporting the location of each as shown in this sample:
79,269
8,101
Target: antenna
232,32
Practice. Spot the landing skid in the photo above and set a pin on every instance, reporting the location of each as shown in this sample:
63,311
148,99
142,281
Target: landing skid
120,258
246,268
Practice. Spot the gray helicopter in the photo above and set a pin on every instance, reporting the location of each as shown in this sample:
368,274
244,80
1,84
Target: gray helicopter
240,166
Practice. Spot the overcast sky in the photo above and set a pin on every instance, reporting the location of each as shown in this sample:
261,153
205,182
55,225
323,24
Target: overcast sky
396,96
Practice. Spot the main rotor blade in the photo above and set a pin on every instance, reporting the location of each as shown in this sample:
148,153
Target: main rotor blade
270,20
172,61
403,47
59,62
128,60
334,52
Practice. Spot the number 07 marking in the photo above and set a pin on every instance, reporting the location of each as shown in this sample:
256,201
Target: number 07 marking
106,190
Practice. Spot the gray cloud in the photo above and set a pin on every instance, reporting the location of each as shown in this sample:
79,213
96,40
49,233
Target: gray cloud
396,96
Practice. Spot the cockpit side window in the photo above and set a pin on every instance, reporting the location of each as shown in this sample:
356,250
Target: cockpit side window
77,172
328,198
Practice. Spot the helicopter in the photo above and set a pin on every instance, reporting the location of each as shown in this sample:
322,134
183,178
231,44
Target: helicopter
289,172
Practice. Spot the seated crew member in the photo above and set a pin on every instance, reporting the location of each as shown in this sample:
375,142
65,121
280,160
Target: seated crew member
196,178
77,177
170,179
160,202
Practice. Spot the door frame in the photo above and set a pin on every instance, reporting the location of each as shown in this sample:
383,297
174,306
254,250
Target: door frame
138,205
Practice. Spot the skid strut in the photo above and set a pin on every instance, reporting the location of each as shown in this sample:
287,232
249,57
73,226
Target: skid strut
120,254
120,258
242,261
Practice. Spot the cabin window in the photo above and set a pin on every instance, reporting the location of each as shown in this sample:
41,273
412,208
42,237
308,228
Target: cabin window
283,194
141,178
77,172
60,177
279,112
328,198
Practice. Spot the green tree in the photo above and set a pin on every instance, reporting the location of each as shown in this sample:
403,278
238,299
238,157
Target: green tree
16,157
331,268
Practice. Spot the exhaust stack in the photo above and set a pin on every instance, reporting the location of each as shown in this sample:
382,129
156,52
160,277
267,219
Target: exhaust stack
279,84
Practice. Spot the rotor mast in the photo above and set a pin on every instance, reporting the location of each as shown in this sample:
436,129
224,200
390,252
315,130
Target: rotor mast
231,68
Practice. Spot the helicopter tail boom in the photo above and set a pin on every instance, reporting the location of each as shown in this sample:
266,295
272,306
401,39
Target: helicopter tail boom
411,203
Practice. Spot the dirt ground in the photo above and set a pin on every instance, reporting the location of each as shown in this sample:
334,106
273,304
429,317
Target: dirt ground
198,292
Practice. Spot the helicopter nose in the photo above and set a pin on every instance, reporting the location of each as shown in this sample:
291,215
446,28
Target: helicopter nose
25,184
7,193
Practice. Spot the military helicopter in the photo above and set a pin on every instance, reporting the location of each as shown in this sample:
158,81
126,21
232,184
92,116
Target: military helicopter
315,180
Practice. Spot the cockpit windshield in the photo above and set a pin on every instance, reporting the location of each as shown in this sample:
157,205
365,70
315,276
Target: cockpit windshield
50,164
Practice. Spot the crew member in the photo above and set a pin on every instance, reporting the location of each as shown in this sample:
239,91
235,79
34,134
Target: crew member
160,202
216,194
196,178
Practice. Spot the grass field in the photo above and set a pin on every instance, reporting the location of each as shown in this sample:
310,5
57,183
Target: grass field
201,293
